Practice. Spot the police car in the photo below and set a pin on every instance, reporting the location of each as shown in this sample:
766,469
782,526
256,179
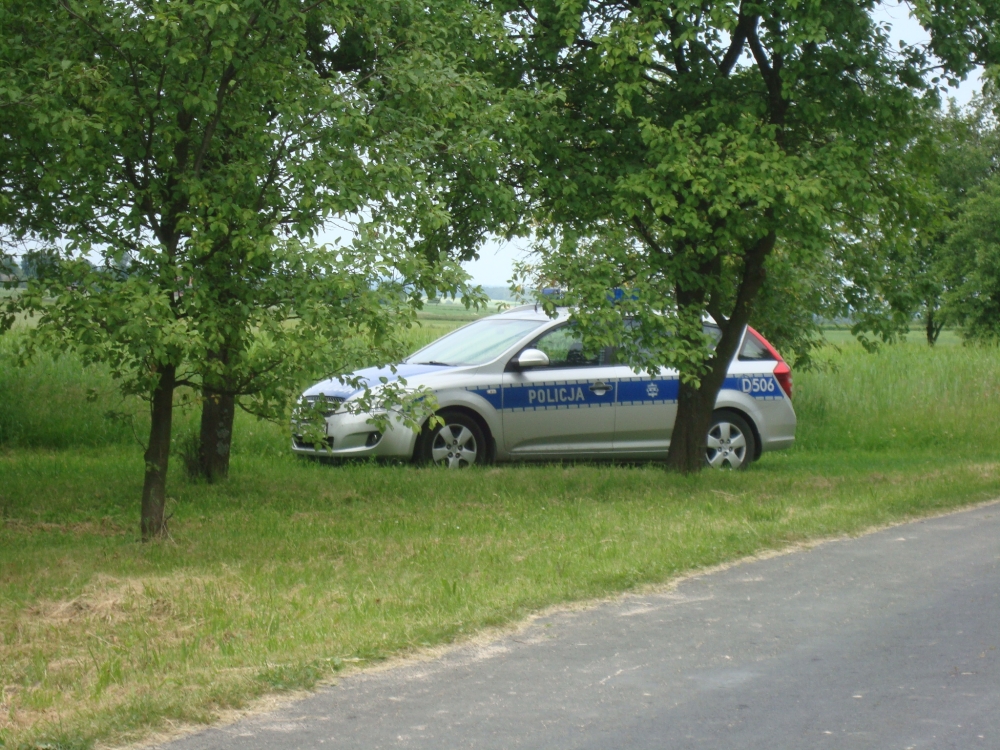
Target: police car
518,386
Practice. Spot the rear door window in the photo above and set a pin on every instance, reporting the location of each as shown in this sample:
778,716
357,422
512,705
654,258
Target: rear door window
711,330
753,350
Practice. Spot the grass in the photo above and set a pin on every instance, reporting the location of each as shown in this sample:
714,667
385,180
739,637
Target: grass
56,403
293,570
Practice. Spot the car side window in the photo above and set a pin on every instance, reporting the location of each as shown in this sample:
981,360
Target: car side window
714,334
753,350
709,329
564,348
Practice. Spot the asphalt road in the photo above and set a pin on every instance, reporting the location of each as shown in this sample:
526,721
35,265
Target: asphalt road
886,641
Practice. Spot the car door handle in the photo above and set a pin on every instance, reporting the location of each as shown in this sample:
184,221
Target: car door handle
600,388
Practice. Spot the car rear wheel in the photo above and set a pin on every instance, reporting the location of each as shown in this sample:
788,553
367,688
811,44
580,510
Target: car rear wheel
731,442
458,443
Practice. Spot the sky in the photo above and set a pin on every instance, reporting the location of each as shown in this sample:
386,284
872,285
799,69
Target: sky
495,263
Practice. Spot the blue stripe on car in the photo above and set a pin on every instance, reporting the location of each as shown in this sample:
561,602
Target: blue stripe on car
763,387
576,394
648,391
492,393
564,394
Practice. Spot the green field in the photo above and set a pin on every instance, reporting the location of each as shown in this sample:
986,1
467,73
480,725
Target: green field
293,571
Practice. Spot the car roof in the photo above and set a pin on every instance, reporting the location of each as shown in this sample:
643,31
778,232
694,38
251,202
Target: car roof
534,312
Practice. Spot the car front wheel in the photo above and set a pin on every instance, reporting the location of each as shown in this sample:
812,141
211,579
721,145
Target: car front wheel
458,443
731,442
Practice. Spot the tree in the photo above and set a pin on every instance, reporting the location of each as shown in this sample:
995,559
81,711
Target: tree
964,145
10,269
39,263
968,248
967,146
435,128
971,264
197,148
697,150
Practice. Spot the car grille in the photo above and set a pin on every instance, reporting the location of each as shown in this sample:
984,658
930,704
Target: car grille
332,403
314,402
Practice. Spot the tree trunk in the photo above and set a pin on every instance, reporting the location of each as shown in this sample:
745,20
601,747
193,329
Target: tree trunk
688,440
695,405
215,440
154,488
933,328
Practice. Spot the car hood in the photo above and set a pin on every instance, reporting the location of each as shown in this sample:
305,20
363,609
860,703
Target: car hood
372,376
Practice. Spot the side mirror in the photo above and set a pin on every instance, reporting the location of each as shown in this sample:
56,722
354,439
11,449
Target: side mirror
532,358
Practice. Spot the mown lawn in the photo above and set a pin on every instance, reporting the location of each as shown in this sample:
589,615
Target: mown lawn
294,570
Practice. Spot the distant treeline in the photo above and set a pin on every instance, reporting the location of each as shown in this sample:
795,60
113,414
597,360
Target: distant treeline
502,293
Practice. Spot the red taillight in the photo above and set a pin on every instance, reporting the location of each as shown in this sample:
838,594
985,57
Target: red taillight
782,372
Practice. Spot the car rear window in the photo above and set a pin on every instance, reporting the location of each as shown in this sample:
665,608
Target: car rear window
711,330
753,350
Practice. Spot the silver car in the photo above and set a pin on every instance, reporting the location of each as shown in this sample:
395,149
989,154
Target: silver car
518,386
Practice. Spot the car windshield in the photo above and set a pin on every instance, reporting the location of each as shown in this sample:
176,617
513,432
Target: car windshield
476,343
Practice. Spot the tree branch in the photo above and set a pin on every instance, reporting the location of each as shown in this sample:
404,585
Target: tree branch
746,26
680,62
770,72
647,236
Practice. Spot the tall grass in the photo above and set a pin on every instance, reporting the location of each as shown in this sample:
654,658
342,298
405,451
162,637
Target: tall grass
907,396
55,402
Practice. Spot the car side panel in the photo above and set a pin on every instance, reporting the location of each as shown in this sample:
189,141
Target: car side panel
485,398
644,420
644,412
752,388
556,413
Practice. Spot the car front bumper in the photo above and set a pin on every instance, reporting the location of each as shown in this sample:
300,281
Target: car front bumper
352,436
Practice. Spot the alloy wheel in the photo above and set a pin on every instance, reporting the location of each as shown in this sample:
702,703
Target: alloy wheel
454,446
727,446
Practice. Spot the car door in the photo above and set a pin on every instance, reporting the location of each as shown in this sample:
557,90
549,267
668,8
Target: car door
647,408
645,412
564,409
